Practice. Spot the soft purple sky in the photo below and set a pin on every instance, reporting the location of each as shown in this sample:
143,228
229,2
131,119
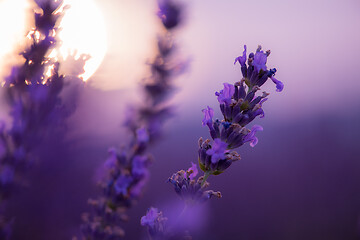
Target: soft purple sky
314,46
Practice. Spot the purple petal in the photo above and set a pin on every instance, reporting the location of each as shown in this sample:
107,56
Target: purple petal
150,218
225,95
250,137
112,159
142,135
279,85
241,59
194,170
208,115
217,150
122,184
260,59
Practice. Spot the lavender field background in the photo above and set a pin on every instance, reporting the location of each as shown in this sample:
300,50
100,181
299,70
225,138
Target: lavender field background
301,181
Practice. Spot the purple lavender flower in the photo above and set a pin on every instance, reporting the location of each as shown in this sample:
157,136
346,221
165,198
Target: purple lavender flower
256,74
208,115
260,59
192,191
140,165
241,59
279,85
155,222
239,105
194,171
218,150
37,109
128,173
205,158
250,137
122,184
226,94
142,135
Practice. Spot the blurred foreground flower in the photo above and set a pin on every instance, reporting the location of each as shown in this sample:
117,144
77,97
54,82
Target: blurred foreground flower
33,92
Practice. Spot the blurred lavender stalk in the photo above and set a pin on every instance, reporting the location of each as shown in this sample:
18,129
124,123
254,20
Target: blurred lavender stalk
239,105
127,170
37,110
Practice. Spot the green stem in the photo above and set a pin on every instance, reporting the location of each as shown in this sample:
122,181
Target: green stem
206,175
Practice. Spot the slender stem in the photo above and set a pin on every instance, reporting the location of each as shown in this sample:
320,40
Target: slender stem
206,175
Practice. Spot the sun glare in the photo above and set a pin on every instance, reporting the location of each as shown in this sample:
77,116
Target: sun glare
82,33
12,27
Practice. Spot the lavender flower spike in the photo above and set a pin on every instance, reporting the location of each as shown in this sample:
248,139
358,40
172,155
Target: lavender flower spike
226,94
250,137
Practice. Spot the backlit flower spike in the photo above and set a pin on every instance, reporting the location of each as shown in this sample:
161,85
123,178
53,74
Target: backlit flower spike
33,92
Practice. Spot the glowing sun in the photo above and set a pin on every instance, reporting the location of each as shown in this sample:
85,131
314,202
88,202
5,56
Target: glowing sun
83,32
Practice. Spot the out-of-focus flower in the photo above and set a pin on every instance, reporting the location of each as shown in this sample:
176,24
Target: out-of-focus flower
127,174
155,222
169,13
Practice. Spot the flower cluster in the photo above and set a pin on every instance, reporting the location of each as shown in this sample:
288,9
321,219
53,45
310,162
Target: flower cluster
190,189
127,170
239,105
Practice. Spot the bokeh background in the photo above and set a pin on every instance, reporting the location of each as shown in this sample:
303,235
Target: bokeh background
300,182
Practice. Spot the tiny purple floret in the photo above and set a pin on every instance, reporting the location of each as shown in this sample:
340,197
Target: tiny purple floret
241,59
217,150
139,165
226,94
142,135
122,183
250,137
112,159
260,59
150,218
194,170
208,115
279,84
